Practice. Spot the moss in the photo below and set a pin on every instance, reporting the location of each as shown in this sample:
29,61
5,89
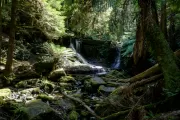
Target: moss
44,97
47,86
73,115
21,84
67,79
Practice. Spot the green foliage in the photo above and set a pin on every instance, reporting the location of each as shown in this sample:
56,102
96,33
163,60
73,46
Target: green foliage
37,17
104,20
57,50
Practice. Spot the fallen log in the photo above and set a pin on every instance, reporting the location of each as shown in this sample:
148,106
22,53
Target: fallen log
149,72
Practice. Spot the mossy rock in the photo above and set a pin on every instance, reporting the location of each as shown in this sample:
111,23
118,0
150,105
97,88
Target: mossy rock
67,79
44,66
56,74
45,97
38,110
26,83
5,92
31,90
73,115
47,86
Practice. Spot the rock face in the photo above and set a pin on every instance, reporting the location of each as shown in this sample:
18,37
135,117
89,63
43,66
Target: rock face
38,110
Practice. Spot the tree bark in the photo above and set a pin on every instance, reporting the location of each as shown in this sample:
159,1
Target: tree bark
162,52
172,40
8,67
163,22
1,2
140,47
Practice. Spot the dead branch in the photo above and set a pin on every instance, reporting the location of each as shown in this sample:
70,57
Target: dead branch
82,103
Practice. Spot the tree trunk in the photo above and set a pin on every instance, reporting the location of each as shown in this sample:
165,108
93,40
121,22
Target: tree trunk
172,40
163,22
8,67
1,1
162,52
140,47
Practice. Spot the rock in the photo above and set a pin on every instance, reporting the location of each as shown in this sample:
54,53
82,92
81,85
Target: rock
47,86
23,70
67,79
56,74
79,69
44,66
5,92
73,115
38,110
65,104
26,83
30,90
97,81
106,90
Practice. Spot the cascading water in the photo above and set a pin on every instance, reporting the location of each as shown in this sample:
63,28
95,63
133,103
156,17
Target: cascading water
95,69
117,61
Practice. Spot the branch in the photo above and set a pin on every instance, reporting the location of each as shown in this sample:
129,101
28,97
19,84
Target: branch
82,103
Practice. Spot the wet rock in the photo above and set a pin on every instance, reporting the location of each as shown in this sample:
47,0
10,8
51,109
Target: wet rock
56,74
106,90
79,69
38,110
5,92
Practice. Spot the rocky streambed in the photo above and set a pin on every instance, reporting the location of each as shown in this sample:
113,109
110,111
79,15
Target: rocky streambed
42,98
55,85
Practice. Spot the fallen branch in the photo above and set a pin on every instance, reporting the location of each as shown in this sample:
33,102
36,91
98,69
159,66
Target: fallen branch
82,103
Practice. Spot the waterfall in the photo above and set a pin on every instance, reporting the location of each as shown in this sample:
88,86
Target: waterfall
78,55
78,46
95,69
117,61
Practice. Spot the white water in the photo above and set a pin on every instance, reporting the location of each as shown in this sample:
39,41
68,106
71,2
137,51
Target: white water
116,63
97,69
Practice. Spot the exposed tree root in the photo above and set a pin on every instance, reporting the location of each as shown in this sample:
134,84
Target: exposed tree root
82,103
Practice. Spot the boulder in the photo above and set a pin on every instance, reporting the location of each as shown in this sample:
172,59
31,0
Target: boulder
97,81
44,66
38,110
56,74
67,79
